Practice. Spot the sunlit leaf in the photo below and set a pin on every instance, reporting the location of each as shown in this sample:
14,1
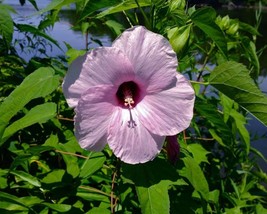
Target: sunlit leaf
54,176
179,37
26,177
38,84
95,5
93,163
115,26
149,198
151,182
125,5
98,210
11,202
198,152
58,207
232,79
38,114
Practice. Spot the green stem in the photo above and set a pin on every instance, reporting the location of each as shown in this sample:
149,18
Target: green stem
201,83
148,24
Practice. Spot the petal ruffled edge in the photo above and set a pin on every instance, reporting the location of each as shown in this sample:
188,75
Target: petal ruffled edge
105,65
170,111
151,55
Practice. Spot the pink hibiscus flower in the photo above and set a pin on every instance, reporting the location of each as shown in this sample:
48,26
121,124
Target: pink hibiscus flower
129,96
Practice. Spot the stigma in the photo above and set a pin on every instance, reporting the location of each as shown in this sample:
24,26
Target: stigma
128,101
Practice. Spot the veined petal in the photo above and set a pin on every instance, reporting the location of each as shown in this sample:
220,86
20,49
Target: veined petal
154,61
170,111
130,140
93,115
102,66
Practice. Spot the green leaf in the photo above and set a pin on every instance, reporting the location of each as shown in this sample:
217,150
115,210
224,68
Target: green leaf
149,198
151,183
11,202
55,5
94,162
73,53
215,119
90,196
198,152
38,114
55,176
95,5
58,207
125,5
6,23
115,26
204,18
250,51
179,36
26,177
240,122
194,174
98,210
232,79
38,84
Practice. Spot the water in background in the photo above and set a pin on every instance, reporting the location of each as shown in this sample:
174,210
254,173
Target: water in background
61,32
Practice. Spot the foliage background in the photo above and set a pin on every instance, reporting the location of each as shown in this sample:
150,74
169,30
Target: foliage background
43,169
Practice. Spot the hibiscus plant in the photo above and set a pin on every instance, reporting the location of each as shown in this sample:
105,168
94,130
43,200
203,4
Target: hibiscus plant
155,122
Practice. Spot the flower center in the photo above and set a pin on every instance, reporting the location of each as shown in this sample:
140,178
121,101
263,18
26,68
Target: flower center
127,94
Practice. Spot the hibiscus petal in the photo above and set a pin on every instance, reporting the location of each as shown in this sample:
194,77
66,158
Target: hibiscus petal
170,111
151,55
130,140
93,114
101,66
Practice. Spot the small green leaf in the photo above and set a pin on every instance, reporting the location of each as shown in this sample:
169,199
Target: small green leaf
92,6
55,176
94,162
26,177
38,114
125,5
115,26
90,196
232,79
198,152
58,207
73,53
179,36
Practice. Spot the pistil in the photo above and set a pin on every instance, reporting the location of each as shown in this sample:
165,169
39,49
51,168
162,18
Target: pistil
128,97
